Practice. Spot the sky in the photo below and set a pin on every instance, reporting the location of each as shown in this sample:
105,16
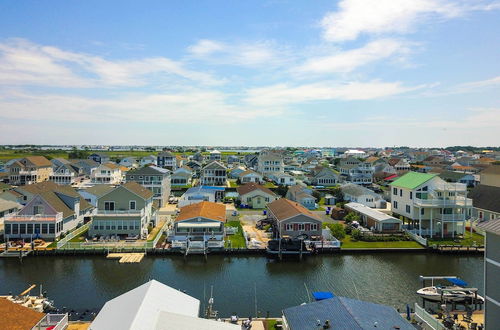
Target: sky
359,73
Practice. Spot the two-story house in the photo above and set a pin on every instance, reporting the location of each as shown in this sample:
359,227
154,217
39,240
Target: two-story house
53,210
325,177
108,173
270,162
356,171
293,220
302,195
167,160
182,176
84,166
99,157
127,210
215,156
64,174
435,207
154,178
29,170
214,174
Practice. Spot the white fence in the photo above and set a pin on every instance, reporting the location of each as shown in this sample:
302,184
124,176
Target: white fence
414,234
430,320
73,234
58,321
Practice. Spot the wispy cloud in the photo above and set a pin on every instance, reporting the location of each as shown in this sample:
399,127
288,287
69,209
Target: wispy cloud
359,17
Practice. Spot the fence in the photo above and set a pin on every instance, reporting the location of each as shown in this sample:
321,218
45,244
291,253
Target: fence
152,244
416,237
73,234
430,320
57,321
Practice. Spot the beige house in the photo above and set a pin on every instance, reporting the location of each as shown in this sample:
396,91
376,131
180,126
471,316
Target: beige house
107,173
30,170
255,195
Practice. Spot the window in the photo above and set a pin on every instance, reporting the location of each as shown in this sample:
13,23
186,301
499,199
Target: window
22,228
289,227
131,205
37,228
131,177
401,192
109,206
408,208
395,191
7,229
45,228
411,194
480,215
422,211
29,228
395,204
52,228
38,209
267,199
301,227
15,228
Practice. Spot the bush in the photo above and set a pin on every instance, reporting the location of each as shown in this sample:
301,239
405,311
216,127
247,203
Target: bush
337,230
356,234
351,217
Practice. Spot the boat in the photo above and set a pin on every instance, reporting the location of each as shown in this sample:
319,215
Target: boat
38,303
456,292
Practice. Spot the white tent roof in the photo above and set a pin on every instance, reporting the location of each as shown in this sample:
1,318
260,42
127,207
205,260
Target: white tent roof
172,321
139,308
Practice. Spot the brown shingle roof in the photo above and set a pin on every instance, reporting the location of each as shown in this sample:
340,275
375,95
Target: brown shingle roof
39,161
284,208
251,186
17,317
111,166
139,190
493,169
203,209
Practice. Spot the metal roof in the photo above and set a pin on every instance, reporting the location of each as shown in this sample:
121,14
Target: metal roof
491,226
369,212
412,180
344,313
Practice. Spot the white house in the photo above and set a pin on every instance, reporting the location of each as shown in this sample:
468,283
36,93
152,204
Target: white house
107,173
182,176
214,174
361,195
434,206
215,156
251,176
201,193
270,162
282,178
148,160
129,162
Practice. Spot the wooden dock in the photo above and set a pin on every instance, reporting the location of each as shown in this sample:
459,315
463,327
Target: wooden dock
126,258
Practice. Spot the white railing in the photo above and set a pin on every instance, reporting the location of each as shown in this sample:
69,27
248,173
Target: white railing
324,244
153,243
430,320
73,234
58,321
31,217
196,244
451,217
414,233
121,212
179,244
215,244
459,201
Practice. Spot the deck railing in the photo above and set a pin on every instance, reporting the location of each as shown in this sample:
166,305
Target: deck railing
73,234
430,320
414,233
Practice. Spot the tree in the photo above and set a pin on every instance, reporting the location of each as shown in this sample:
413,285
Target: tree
337,230
351,217
282,190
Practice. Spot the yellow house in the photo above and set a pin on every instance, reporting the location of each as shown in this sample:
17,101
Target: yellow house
255,195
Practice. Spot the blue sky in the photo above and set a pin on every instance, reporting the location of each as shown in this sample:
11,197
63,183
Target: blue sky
287,73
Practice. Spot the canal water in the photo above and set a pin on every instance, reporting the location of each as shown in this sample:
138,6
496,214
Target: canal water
239,283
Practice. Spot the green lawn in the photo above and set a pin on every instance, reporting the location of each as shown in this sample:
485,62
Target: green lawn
348,243
270,185
233,183
271,324
79,238
237,240
468,240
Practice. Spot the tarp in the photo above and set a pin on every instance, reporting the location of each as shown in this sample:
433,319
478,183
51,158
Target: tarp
321,295
457,281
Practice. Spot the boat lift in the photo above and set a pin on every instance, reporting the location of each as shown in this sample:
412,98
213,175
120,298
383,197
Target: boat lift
455,280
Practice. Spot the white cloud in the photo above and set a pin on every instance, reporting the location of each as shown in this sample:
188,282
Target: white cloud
356,17
26,63
249,54
282,94
346,61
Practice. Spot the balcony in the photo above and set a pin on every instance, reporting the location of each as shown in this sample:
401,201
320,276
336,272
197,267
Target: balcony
122,213
450,217
455,202
33,218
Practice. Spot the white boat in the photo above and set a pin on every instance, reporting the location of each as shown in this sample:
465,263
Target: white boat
448,294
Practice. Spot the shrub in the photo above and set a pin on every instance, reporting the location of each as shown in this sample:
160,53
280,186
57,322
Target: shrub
356,234
337,230
351,217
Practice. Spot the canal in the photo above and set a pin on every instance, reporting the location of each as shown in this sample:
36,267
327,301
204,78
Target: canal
87,282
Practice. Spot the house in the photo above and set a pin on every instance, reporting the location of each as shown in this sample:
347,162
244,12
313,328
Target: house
490,176
434,161
214,174
53,210
148,160
356,171
29,170
197,157
195,167
302,195
283,179
457,177
17,316
255,195
167,160
200,225
92,194
251,161
8,207
202,193
154,178
233,159
486,202
100,158
127,210
130,162
491,273
325,177
400,164
293,220
182,176
215,156
235,172
155,306
437,207
374,219
64,174
251,176
359,194
4,187
343,313
270,162
84,166
107,173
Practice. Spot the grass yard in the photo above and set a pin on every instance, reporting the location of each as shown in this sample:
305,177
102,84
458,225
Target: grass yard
237,240
270,324
233,183
79,238
270,185
152,235
349,243
468,240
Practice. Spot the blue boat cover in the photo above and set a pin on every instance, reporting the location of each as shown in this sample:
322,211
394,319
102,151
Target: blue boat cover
457,281
321,295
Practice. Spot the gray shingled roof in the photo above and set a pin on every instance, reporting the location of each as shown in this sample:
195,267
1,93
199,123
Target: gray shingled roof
486,197
491,226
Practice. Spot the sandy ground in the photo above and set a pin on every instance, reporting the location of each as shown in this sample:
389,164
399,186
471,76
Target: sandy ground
78,326
248,223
